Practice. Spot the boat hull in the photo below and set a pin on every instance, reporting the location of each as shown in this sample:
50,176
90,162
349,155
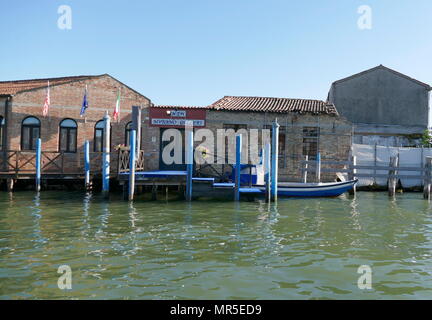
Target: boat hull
317,190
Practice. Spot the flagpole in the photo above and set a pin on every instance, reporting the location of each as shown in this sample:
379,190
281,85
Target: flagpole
119,98
85,114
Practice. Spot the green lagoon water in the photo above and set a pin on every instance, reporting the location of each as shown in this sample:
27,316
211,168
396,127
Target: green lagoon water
297,249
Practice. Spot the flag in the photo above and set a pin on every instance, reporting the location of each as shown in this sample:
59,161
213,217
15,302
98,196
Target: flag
117,107
46,102
84,103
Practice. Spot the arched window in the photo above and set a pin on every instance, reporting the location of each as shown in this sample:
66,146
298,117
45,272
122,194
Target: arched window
30,132
128,129
68,136
99,136
2,126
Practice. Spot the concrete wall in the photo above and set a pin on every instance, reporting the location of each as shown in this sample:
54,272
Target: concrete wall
381,97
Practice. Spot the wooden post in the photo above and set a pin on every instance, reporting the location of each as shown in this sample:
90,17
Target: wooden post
106,155
352,174
427,178
189,163
267,166
132,163
87,165
10,185
392,179
318,167
375,162
136,125
38,164
154,192
275,160
238,167
305,168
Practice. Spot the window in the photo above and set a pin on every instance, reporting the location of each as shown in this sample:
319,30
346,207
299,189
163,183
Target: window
68,136
128,129
230,141
30,132
99,136
281,144
2,128
311,142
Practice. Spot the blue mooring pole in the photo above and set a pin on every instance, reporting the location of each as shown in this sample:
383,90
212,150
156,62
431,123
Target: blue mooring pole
87,165
106,155
132,163
189,163
238,167
275,160
38,164
267,174
318,167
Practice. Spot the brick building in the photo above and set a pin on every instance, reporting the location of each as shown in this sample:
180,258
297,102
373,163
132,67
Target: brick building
306,128
63,131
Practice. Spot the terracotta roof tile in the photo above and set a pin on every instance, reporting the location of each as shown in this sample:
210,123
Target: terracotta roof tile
13,87
179,107
278,105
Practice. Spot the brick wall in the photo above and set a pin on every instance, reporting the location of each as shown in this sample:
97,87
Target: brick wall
66,100
334,140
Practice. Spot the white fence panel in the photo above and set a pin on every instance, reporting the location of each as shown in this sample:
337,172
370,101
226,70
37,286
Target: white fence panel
380,156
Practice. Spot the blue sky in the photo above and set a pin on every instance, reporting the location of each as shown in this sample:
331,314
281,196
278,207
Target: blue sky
192,52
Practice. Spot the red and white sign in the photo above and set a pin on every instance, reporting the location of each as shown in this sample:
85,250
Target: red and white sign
176,118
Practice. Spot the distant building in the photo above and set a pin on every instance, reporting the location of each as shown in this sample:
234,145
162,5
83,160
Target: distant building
386,107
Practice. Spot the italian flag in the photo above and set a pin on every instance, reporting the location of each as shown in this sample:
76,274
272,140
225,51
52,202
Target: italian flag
117,107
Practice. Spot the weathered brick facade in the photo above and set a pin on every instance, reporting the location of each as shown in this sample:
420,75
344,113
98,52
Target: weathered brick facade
66,102
334,139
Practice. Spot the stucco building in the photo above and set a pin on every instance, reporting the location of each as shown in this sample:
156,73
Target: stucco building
386,107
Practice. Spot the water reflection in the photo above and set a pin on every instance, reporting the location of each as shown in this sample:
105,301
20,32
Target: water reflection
296,248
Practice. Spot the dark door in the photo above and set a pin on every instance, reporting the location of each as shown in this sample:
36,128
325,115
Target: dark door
173,166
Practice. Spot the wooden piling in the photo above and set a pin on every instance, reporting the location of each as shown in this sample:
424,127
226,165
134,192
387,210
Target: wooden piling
132,163
352,174
392,180
427,178
154,192
106,155
275,161
318,167
87,184
38,164
238,167
305,168
189,163
10,184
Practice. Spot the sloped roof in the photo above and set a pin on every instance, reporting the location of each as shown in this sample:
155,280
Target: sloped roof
16,86
178,107
277,105
428,87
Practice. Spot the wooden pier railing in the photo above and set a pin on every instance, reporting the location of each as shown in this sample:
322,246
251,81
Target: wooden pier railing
23,163
394,171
